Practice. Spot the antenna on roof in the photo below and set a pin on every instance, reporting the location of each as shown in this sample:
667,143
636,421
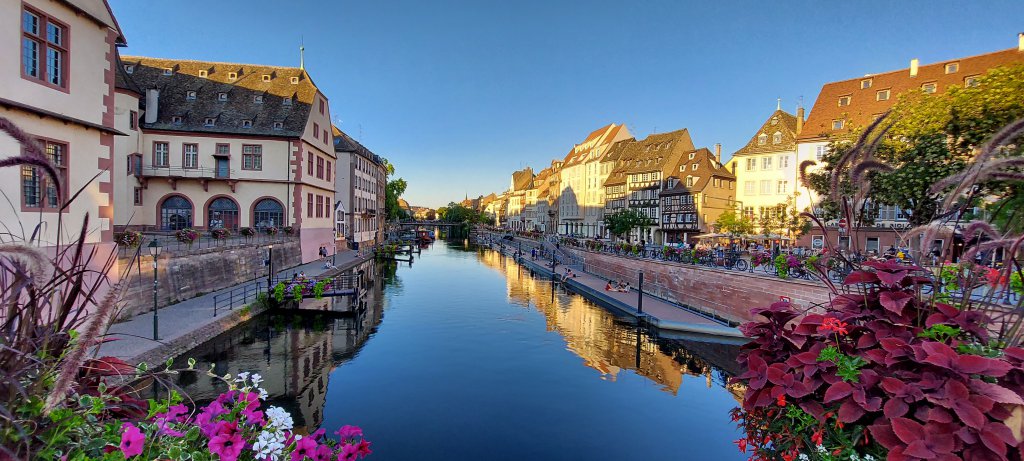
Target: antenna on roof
302,53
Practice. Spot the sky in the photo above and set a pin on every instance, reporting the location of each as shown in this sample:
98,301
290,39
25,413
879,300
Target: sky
459,94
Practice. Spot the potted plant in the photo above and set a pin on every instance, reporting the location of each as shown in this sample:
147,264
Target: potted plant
247,232
187,236
220,233
129,239
272,230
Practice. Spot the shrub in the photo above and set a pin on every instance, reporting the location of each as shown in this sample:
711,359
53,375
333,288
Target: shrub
782,266
247,232
289,230
272,230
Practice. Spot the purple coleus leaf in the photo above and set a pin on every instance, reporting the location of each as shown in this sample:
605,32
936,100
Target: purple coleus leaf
860,276
941,355
970,409
891,278
995,392
924,441
894,301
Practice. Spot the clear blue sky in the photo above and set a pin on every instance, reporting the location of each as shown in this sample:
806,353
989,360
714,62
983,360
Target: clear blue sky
458,94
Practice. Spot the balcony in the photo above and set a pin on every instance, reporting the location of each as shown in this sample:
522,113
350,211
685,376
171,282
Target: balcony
175,174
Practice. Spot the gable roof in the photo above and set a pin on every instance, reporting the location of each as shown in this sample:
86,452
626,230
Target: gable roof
864,105
241,105
599,138
345,143
99,11
779,122
657,152
707,168
522,179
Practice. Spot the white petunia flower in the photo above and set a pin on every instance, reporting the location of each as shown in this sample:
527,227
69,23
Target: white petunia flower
256,379
268,445
278,418
263,393
242,377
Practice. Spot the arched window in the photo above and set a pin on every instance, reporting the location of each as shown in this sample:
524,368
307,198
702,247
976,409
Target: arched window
222,214
176,213
268,213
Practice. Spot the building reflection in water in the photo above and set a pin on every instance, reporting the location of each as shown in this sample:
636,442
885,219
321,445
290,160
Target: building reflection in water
610,344
295,353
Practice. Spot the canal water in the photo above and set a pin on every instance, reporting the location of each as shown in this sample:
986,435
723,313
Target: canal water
463,355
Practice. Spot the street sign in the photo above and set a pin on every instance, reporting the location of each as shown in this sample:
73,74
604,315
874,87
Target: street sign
843,225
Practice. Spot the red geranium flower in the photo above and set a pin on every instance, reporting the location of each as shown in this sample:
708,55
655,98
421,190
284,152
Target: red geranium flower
833,325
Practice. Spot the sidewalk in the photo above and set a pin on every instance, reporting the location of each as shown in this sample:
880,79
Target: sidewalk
188,323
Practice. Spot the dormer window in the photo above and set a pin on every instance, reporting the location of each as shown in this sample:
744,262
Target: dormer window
210,121
258,99
691,155
266,77
762,139
232,75
694,167
952,67
246,123
844,101
203,74
865,84
295,80
176,120
190,95
168,71
129,69
882,95
222,96
278,125
971,81
777,138
286,101
775,121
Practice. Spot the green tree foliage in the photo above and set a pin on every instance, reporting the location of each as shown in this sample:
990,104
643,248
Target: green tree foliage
934,136
457,213
731,223
394,189
623,221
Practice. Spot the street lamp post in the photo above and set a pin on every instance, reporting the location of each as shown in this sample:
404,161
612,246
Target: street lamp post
640,294
270,267
154,251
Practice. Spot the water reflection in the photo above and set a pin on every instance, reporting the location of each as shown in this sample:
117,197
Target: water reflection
609,344
294,352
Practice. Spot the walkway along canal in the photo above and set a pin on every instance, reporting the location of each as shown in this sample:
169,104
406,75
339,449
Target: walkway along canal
464,355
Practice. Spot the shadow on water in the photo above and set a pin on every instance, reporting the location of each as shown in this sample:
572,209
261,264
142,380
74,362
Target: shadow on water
478,359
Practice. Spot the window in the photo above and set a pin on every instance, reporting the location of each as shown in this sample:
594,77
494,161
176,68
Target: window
929,87
775,120
689,181
161,154
295,80
223,150
777,138
717,182
133,120
693,167
268,213
971,81
316,130
44,39
309,164
190,155
232,75
309,203
190,95
176,119
882,95
838,124
320,167
137,196
782,187
820,152
222,96
203,73
210,122
246,123
252,157
865,84
766,187
258,99
871,245
129,69
37,189
844,101
222,213
321,107
327,137
319,206
328,174
762,139
175,213
751,164
691,155
748,212
168,71
278,125
952,67
766,163
783,161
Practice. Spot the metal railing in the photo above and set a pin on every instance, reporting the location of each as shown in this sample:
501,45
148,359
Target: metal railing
170,243
179,172
238,296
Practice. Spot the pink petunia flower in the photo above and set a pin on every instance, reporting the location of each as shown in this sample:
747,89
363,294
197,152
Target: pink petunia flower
227,446
347,432
132,440
306,447
364,448
349,452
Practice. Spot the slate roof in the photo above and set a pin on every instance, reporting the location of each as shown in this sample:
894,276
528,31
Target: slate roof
707,168
863,105
657,152
779,122
241,105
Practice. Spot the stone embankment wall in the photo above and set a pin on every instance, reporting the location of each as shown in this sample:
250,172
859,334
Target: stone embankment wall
724,293
182,277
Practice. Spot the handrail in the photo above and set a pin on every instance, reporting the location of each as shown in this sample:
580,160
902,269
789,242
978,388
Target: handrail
235,296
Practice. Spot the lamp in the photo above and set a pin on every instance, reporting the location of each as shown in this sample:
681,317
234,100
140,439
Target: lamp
154,251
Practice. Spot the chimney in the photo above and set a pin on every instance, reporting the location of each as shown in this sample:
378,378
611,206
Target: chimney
152,104
913,67
1020,42
718,152
799,120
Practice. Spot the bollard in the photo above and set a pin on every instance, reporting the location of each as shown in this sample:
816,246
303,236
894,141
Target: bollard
640,294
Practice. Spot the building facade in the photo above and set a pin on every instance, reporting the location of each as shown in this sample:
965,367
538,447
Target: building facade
223,145
62,96
693,200
766,168
581,182
360,191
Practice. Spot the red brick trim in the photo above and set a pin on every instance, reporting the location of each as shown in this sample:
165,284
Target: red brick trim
297,195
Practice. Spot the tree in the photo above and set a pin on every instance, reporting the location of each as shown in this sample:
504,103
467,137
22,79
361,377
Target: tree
623,221
394,189
731,223
932,137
